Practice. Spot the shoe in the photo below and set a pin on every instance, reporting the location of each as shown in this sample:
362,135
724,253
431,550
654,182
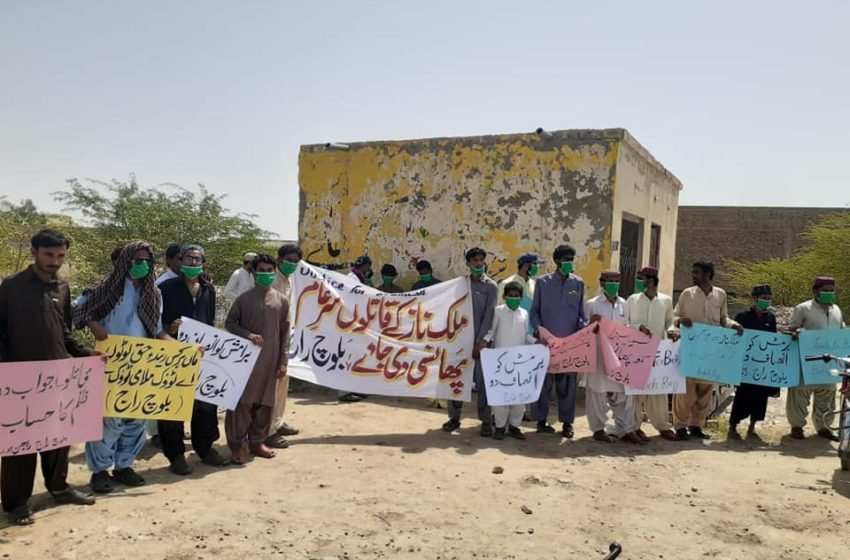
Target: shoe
451,425
21,516
682,434
71,495
826,433
287,430
544,428
642,435
101,483
515,432
632,437
600,435
797,433
276,441
669,435
499,433
486,430
697,432
179,466
350,398
213,459
567,431
127,477
733,434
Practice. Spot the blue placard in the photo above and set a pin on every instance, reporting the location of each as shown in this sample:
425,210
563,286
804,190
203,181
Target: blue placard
712,354
816,343
770,359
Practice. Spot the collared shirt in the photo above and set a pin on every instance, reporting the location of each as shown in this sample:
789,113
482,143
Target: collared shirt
124,319
656,313
616,312
699,307
167,275
240,282
420,284
282,284
812,316
558,304
35,319
510,327
749,319
527,287
177,301
483,294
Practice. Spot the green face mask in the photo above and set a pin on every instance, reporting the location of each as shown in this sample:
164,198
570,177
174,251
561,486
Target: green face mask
533,270
566,268
640,286
827,298
264,279
288,268
388,280
512,302
476,271
763,304
140,270
426,277
612,288
191,272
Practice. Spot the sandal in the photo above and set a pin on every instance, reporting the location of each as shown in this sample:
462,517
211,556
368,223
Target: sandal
21,516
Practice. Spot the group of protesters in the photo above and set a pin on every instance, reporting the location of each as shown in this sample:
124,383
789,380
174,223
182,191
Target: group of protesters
37,318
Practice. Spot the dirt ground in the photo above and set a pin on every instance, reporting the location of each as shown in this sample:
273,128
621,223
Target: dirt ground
379,479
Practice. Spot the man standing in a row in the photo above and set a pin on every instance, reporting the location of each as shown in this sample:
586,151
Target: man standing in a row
558,307
35,324
527,268
190,295
241,280
701,303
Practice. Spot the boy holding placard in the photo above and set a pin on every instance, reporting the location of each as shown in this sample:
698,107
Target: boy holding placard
510,328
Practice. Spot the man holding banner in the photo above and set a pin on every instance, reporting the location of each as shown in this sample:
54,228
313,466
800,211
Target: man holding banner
651,312
701,303
482,290
558,306
819,313
35,325
126,303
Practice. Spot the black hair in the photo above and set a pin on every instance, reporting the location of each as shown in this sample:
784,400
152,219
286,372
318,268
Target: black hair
475,252
423,265
653,277
49,238
706,267
362,260
563,252
512,287
172,251
262,258
389,270
288,250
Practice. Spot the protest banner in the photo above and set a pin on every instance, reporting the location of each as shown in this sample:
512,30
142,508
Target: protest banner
514,374
227,363
817,343
49,404
770,359
665,377
352,337
635,353
712,354
149,378
573,354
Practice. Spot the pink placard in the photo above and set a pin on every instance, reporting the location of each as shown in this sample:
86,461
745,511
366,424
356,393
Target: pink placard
633,351
573,354
50,404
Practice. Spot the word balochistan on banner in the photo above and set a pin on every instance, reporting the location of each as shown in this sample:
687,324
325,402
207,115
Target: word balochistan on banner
514,374
227,363
50,404
149,378
354,338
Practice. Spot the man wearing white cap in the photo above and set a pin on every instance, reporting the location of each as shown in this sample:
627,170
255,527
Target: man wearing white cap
241,280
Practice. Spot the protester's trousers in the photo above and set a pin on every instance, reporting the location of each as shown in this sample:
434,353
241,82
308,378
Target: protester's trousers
797,404
622,406
123,438
655,407
484,412
692,407
750,401
508,414
249,422
565,395
17,476
281,391
204,432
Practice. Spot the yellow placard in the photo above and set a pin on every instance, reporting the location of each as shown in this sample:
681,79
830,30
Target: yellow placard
149,378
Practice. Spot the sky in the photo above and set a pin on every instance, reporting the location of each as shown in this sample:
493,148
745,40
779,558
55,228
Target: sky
745,102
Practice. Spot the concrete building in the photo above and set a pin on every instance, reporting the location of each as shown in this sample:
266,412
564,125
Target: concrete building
739,233
402,201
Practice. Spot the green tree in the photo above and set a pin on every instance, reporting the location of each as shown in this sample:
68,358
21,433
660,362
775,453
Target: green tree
114,213
791,279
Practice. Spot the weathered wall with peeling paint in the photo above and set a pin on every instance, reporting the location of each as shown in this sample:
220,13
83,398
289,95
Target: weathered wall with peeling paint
402,201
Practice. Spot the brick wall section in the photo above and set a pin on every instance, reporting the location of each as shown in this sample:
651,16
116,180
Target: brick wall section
723,233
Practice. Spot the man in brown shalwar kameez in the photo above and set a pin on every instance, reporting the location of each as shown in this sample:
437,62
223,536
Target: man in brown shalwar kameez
261,315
